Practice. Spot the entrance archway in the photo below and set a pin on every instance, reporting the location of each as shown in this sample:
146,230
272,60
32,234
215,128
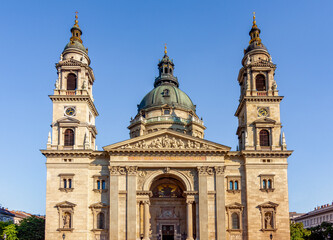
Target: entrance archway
167,208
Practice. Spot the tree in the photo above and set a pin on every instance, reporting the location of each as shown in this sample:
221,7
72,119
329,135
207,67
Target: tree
321,232
298,232
11,232
31,228
2,227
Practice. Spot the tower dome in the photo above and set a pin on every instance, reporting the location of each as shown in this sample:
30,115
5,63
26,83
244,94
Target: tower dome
75,49
166,106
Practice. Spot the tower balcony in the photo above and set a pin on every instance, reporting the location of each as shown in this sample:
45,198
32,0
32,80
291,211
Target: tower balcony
71,92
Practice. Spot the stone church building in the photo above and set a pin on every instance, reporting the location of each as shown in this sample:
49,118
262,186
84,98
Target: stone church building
166,182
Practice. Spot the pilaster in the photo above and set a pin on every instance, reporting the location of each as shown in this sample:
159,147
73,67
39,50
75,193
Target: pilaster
203,203
131,201
220,203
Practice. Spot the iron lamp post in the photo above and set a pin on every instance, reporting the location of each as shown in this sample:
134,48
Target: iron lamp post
63,236
271,236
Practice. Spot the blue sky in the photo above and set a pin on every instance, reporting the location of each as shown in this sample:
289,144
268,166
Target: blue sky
125,40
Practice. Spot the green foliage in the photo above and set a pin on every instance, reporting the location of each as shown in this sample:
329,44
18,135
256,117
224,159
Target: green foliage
321,232
31,228
298,232
2,227
11,232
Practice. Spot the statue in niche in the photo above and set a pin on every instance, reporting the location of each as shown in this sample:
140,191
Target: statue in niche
66,218
268,220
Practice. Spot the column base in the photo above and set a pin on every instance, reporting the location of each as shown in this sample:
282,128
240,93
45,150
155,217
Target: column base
146,238
189,238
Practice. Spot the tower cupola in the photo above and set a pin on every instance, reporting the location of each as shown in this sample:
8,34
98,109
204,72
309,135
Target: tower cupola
76,31
75,42
166,68
255,41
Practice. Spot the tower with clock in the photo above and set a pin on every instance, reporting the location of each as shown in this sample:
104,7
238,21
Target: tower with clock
258,112
74,112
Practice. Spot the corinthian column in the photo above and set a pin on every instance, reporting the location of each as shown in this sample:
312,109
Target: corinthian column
146,209
189,220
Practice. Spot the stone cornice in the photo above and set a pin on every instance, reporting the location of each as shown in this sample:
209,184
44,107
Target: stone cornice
257,99
163,152
67,153
75,98
260,154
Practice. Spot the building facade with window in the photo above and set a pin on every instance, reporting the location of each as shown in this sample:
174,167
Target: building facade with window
323,213
166,181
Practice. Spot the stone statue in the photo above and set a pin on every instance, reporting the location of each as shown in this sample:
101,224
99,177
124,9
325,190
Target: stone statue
66,218
248,60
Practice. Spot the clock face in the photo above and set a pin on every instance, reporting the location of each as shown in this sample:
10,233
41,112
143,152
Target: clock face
263,112
70,111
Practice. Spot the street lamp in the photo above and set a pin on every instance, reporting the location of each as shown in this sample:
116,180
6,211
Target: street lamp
271,236
63,236
141,236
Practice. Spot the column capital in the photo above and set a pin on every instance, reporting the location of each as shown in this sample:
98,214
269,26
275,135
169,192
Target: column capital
117,170
205,170
220,170
132,170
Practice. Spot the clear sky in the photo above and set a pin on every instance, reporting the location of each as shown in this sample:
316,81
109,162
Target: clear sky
125,40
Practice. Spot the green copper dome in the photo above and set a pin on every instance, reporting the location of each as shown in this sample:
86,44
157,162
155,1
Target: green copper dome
166,94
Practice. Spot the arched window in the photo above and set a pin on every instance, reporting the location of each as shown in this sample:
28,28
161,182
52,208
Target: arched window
100,221
260,82
269,184
165,70
69,183
65,183
71,81
235,221
69,137
231,185
236,185
264,138
264,184
98,184
103,184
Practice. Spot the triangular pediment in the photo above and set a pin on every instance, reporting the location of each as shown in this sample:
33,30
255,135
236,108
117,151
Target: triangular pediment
65,204
166,140
265,120
99,205
70,62
268,204
234,205
68,120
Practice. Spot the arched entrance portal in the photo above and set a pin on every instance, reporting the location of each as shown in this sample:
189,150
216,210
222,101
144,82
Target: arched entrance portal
169,209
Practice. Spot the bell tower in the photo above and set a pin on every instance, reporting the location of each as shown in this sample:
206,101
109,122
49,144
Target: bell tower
74,112
258,112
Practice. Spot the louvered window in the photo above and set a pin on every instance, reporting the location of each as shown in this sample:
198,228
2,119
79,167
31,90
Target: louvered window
71,81
264,138
260,83
69,137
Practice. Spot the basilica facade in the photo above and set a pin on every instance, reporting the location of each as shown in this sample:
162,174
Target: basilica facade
166,182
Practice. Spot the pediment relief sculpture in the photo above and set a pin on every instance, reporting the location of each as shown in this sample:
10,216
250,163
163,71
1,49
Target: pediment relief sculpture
167,142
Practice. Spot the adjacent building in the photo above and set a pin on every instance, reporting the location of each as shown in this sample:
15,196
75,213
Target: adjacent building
323,213
166,181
